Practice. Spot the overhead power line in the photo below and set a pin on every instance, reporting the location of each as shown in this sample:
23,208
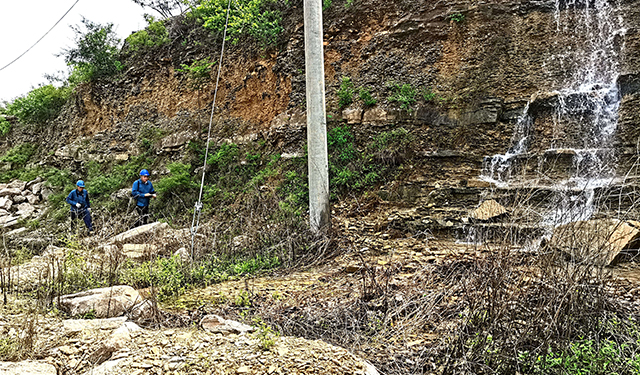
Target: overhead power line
42,37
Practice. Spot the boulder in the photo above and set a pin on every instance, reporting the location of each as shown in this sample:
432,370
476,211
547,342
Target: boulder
121,337
138,232
177,140
37,188
19,198
25,210
72,326
352,115
121,194
488,210
240,242
46,192
217,324
5,220
139,251
29,185
103,302
595,241
17,184
27,368
8,191
32,198
4,212
5,203
183,253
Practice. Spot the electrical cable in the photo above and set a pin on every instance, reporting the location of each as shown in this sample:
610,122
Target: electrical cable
42,37
198,207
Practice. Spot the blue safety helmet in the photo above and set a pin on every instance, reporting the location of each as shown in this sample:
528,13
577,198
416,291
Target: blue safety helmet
144,172
80,183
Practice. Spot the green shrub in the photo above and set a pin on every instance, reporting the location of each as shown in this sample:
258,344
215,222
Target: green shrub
403,94
19,155
326,4
351,169
154,35
366,97
167,275
429,95
198,73
456,17
253,18
345,93
588,356
180,178
39,105
5,126
95,55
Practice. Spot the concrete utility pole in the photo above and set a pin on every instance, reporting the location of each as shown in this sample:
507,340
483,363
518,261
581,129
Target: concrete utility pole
316,117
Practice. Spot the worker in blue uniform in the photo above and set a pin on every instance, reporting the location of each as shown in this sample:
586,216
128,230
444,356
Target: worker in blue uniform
78,199
142,190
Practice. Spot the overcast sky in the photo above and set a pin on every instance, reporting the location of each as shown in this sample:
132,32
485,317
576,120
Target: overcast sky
24,22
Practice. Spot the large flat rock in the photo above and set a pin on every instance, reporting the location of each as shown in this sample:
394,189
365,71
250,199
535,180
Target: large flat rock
103,302
138,232
595,241
27,368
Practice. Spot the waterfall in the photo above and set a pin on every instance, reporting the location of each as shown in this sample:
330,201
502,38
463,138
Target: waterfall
589,39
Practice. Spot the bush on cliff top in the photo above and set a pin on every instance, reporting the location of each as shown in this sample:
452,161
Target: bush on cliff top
39,105
154,35
247,17
95,55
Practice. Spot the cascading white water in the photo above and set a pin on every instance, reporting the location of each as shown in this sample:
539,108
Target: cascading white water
589,34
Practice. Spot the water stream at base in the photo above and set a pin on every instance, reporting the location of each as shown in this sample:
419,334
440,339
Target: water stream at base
584,114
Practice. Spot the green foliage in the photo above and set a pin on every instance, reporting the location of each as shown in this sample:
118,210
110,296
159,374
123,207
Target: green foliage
39,105
351,169
403,94
266,335
168,276
5,126
171,278
345,93
366,97
456,17
587,356
326,4
20,154
429,95
198,73
154,35
254,18
76,274
95,55
348,4
9,349
180,178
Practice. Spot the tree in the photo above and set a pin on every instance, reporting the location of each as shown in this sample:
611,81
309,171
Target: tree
96,53
164,7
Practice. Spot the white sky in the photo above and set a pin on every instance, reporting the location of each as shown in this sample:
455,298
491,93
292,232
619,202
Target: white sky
24,22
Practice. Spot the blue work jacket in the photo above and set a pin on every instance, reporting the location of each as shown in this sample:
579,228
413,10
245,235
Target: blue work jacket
77,197
138,191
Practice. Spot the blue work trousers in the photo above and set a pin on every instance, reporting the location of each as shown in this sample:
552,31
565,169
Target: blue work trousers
81,214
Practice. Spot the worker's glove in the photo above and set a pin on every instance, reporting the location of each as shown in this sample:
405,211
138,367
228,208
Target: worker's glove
147,195
78,205
88,210
153,195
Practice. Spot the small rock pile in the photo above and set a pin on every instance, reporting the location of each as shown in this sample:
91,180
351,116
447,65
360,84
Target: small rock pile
20,200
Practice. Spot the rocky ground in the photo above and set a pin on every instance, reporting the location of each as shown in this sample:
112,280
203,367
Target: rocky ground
182,336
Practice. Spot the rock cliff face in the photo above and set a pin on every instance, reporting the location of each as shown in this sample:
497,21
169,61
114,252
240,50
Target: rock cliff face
475,67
